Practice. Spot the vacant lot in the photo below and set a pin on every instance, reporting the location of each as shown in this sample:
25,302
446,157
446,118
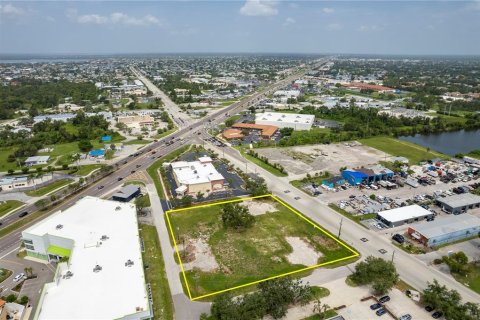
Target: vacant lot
280,241
322,157
413,152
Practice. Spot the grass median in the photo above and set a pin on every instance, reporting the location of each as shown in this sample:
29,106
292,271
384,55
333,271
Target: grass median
262,164
8,206
47,189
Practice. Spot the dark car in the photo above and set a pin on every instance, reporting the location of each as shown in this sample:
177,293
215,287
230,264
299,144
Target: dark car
100,187
384,299
399,238
138,165
381,312
375,306
437,314
132,172
23,214
119,179
428,308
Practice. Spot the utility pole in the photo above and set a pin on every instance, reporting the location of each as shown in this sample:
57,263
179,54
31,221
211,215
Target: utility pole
340,229
393,255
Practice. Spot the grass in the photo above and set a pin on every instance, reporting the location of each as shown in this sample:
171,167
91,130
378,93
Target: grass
262,164
9,205
350,216
136,141
255,254
410,248
471,279
47,189
320,292
413,152
155,273
153,169
4,274
140,183
143,201
313,179
87,169
4,164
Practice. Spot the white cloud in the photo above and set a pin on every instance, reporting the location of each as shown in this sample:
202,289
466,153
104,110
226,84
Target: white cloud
10,11
334,26
289,21
373,27
328,10
115,18
259,8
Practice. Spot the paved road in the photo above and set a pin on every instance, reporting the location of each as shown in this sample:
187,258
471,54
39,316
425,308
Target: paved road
411,269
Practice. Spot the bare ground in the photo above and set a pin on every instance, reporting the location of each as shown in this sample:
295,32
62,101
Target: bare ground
199,255
303,252
257,208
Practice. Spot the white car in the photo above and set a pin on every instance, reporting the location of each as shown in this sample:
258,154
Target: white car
18,277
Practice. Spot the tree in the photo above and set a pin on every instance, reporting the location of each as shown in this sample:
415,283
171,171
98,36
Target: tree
23,300
320,309
236,216
41,204
373,196
11,298
85,145
256,187
381,274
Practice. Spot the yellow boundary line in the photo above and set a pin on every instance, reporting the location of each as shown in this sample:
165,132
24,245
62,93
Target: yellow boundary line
354,253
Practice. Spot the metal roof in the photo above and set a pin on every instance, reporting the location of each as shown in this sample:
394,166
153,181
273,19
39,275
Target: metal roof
447,225
404,213
460,200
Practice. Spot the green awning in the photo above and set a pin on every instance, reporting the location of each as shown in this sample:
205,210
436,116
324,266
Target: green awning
59,251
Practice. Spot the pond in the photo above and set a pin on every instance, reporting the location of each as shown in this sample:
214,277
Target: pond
449,143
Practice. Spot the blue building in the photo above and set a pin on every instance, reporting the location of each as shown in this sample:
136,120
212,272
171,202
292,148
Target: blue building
354,177
334,181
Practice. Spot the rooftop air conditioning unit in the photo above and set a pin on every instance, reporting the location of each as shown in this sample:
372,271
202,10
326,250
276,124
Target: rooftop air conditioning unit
97,268
59,226
118,208
104,237
68,275
129,263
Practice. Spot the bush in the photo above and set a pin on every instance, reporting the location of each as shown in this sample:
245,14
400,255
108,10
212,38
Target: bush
381,274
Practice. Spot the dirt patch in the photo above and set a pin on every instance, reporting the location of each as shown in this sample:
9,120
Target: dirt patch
303,252
327,243
198,254
258,208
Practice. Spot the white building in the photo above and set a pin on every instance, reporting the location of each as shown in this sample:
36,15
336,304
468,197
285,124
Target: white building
31,161
408,214
103,278
196,176
286,120
287,93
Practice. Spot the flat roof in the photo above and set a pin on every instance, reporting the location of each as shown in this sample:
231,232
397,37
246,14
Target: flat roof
195,172
285,117
460,200
126,191
113,292
37,158
404,213
446,225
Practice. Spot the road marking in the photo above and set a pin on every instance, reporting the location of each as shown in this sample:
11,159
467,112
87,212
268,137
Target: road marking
9,252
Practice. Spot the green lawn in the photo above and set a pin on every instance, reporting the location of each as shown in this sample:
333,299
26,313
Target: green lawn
472,279
152,170
255,254
328,314
87,169
262,164
143,201
155,273
52,186
347,214
413,152
4,274
8,206
4,164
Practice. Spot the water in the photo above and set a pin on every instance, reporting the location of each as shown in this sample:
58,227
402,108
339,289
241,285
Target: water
449,143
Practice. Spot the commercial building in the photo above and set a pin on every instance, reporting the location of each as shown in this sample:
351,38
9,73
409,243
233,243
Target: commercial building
32,161
266,131
459,203
367,86
287,93
126,193
103,277
445,230
286,120
333,182
10,183
136,121
232,134
196,176
408,214
368,175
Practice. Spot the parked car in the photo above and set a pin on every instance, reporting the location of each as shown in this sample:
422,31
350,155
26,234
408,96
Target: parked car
429,309
18,277
297,198
100,187
405,317
384,299
23,214
437,315
375,306
399,238
381,312
119,179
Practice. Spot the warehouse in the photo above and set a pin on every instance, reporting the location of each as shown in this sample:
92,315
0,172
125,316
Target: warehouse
104,267
445,230
286,120
459,203
127,193
368,175
333,182
196,177
408,214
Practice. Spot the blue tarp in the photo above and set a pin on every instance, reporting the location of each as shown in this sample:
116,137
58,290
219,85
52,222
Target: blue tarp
96,153
106,138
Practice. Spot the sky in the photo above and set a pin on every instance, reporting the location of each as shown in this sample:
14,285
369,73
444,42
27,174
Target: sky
247,26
